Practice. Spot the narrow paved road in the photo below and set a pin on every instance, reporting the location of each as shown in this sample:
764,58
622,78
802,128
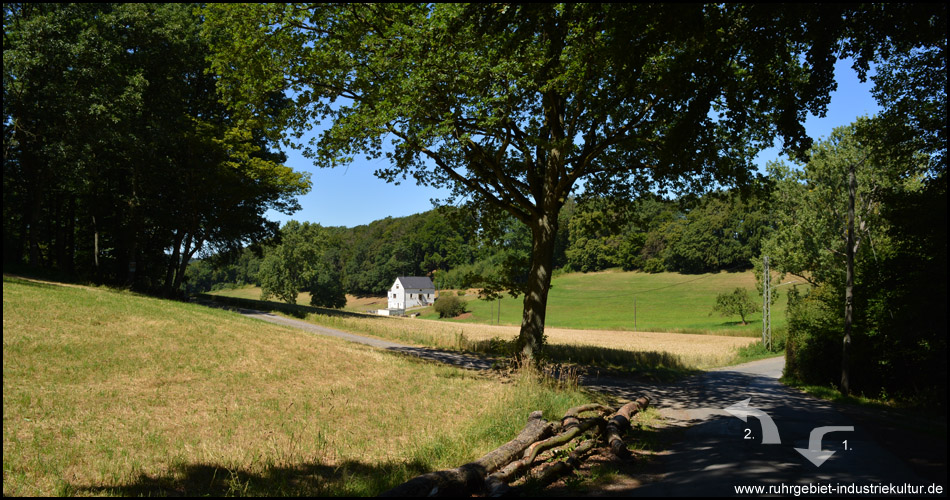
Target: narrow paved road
715,453
712,452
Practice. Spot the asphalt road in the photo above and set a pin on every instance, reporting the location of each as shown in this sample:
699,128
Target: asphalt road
711,452
716,452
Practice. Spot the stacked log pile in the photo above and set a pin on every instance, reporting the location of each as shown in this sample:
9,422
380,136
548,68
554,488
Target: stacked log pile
492,474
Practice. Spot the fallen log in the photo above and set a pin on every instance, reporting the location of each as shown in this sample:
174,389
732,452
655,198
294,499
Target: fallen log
496,483
571,416
620,422
490,475
470,478
558,469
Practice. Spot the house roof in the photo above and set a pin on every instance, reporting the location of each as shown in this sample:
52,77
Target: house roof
416,282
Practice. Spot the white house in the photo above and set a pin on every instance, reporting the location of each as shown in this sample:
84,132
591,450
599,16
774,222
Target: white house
411,291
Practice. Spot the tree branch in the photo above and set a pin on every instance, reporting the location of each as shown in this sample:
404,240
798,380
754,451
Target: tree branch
508,206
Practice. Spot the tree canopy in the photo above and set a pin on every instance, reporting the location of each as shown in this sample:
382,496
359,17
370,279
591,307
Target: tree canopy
119,161
515,106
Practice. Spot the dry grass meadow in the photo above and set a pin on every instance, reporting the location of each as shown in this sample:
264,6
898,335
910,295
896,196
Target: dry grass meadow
111,393
692,351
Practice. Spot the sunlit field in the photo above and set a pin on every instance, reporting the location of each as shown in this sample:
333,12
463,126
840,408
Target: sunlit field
689,350
111,393
610,300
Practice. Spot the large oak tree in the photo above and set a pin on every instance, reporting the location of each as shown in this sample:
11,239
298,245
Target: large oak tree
517,106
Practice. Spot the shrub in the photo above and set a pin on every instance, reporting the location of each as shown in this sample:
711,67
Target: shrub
653,265
449,306
813,342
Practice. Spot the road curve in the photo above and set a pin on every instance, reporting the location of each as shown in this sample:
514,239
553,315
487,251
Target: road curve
716,453
713,452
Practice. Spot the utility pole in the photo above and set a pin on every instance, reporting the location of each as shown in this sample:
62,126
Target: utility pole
766,304
849,285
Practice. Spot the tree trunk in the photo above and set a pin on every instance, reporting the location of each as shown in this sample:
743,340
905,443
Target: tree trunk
185,259
531,338
132,232
848,287
71,236
33,186
95,248
173,263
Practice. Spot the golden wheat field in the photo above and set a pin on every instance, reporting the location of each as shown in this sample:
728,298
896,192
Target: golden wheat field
697,351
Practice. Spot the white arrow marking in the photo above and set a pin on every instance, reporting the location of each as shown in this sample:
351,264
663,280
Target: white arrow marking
814,454
744,411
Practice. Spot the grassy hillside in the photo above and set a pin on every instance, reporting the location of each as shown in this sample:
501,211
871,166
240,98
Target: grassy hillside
108,392
613,300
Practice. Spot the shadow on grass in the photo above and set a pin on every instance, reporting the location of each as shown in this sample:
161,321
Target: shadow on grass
295,310
738,323
27,282
648,365
351,478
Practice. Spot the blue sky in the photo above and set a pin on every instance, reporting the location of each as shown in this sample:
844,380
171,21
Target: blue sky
352,196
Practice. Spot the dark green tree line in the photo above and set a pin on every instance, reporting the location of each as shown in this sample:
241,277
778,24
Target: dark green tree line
119,162
865,221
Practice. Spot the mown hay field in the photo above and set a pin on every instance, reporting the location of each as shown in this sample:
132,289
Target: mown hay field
111,393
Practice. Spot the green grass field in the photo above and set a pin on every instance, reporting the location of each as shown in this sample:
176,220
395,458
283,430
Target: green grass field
112,393
614,300
662,302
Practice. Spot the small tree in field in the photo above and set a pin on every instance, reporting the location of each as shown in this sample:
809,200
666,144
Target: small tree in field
735,303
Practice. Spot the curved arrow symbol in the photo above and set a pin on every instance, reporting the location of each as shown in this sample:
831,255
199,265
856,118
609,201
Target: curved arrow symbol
814,454
744,411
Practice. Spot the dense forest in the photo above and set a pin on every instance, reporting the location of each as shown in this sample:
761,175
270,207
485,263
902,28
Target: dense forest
119,161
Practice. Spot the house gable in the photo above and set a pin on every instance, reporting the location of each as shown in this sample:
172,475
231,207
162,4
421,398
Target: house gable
411,291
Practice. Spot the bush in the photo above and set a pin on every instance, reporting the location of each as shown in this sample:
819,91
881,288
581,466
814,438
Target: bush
449,306
653,266
813,342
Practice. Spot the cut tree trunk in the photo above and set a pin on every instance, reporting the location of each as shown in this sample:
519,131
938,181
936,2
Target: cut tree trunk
620,423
